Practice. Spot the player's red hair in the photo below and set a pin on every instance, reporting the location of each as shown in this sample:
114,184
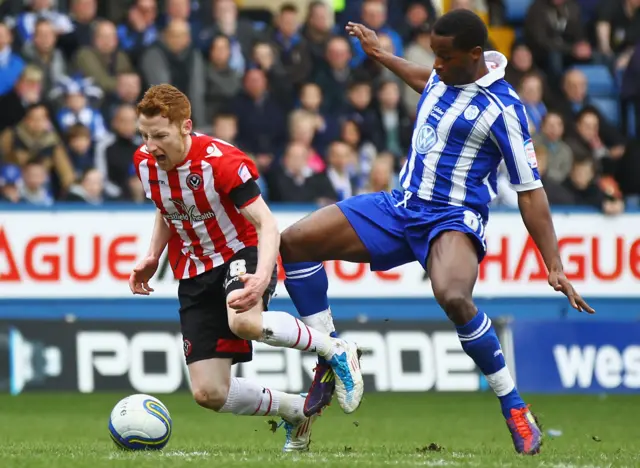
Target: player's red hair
167,101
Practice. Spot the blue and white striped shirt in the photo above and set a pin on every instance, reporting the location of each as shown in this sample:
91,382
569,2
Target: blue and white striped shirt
461,135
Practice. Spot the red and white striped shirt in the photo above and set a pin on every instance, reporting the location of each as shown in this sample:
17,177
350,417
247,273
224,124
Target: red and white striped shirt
194,200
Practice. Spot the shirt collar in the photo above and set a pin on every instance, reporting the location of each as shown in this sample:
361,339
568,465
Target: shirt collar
496,63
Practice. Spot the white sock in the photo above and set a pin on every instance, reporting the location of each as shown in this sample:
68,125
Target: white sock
247,398
283,330
291,407
321,321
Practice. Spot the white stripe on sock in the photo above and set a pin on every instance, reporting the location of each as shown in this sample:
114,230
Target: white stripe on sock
299,274
484,328
304,270
501,382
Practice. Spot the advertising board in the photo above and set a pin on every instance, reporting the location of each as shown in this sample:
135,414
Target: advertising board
89,254
147,357
577,356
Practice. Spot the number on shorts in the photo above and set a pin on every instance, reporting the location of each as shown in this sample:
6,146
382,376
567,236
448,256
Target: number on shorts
238,268
473,221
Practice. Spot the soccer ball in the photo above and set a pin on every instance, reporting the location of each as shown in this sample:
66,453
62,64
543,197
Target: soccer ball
140,422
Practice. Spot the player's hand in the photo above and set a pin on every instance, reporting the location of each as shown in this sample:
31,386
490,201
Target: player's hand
141,274
247,298
367,37
559,282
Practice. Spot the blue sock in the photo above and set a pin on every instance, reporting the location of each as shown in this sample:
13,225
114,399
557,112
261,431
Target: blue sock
480,342
307,285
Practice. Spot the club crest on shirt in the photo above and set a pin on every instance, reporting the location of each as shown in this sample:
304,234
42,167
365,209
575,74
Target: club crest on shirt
194,181
424,139
471,112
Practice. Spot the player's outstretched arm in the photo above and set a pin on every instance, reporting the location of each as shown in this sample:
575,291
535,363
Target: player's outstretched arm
416,76
259,214
536,215
511,135
160,236
146,268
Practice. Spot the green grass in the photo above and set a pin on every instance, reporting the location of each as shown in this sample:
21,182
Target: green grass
69,431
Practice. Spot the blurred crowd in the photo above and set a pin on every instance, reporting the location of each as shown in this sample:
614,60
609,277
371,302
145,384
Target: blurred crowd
322,121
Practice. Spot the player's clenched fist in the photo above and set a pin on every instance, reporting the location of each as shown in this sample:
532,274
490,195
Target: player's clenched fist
366,36
141,274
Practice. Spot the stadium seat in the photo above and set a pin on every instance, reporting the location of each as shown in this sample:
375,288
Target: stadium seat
599,79
609,107
502,37
516,10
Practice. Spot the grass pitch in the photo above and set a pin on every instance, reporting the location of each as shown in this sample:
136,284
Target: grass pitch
404,430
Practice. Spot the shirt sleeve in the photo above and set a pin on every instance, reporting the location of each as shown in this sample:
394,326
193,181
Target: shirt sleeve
140,166
137,159
510,132
235,176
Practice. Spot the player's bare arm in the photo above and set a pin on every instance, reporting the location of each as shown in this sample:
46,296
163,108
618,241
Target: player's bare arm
146,268
536,215
258,214
416,76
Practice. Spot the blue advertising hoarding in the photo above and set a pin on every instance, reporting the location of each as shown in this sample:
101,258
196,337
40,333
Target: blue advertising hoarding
577,356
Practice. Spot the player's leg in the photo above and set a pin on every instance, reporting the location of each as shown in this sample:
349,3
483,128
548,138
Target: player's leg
324,234
281,329
453,268
360,229
215,389
211,348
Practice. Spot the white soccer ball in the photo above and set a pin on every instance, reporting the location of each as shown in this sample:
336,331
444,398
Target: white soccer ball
140,422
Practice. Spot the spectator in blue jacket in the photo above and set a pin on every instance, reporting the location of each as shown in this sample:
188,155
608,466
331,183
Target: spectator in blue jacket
11,64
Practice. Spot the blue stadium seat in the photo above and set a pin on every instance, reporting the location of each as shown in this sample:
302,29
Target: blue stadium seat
599,79
609,107
516,10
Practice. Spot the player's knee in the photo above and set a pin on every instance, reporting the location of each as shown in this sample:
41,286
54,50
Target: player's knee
458,307
289,252
247,326
212,397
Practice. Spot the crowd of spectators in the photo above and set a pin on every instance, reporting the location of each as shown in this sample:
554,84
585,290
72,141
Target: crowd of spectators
322,121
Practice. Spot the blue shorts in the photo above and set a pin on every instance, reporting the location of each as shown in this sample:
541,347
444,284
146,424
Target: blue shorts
395,234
